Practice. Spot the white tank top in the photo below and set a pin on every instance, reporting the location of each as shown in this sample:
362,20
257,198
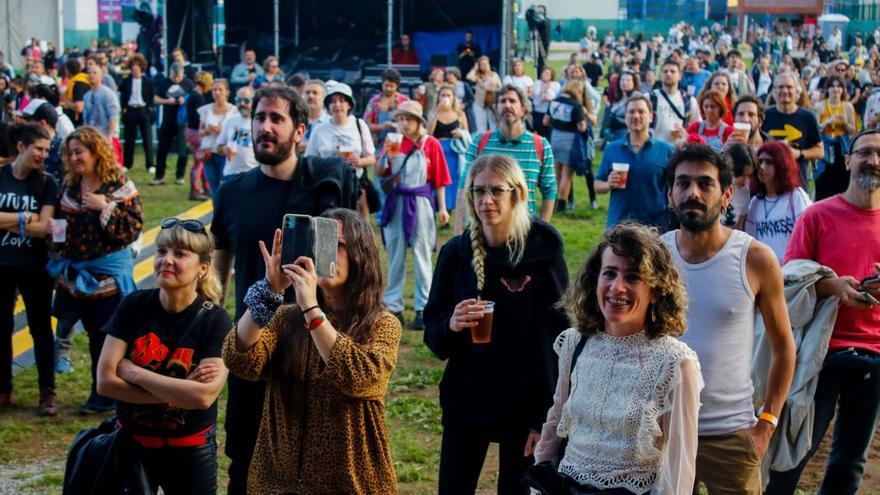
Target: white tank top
721,330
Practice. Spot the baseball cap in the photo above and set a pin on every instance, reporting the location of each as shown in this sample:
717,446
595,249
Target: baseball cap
39,109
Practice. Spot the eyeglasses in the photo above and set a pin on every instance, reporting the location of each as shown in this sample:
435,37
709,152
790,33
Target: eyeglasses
496,192
195,226
866,153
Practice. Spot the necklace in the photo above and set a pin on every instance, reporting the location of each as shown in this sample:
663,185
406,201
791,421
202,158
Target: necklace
772,205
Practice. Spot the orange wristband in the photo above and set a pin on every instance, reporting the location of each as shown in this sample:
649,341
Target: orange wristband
773,420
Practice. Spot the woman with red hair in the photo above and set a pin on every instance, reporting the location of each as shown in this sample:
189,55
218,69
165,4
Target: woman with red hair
713,130
779,199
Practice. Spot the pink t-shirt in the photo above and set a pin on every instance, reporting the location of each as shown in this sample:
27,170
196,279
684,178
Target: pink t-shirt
844,238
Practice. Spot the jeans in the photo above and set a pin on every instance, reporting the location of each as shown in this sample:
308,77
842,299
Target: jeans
182,470
64,335
213,171
94,314
484,119
850,383
422,242
35,287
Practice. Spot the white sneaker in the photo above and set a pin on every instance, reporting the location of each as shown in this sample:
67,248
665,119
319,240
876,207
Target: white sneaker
152,170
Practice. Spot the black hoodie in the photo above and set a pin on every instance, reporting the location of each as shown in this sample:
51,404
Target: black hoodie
508,383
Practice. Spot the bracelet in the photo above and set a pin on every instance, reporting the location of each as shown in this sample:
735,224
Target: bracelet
262,302
315,322
309,309
21,225
773,420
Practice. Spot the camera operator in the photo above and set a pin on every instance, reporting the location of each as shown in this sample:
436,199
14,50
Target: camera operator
539,33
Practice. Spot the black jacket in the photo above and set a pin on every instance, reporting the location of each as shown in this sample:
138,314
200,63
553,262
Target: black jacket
148,91
508,383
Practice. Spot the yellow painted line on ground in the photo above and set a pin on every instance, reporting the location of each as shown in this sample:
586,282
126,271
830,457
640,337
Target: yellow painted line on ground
22,341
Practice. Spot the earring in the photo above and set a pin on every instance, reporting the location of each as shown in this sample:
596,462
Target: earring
653,314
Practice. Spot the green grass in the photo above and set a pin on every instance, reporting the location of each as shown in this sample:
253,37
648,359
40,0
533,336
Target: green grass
412,406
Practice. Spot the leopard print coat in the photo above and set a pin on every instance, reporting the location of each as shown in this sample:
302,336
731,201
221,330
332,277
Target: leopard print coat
346,449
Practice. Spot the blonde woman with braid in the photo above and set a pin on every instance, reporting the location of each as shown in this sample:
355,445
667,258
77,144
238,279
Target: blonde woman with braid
499,391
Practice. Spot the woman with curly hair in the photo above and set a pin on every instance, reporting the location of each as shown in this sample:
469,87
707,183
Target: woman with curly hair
323,424
93,267
496,387
628,391
778,198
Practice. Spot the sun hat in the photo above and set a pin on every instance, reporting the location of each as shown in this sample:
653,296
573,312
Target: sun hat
411,108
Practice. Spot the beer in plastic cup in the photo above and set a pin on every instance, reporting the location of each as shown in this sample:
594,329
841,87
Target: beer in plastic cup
692,90
346,152
623,170
482,333
743,128
394,139
59,230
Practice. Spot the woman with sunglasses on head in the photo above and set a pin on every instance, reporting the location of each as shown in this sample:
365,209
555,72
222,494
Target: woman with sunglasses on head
162,362
93,267
30,197
328,359
839,122
498,386
778,198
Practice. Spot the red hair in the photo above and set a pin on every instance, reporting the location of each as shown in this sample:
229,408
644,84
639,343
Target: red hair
788,176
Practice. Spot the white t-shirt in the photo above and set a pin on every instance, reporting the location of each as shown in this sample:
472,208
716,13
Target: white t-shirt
236,137
771,220
209,118
327,138
665,117
540,102
521,82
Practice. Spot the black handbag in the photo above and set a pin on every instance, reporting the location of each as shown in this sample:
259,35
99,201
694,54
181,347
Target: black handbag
104,460
545,476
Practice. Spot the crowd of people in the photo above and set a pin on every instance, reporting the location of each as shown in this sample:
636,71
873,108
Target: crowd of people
721,322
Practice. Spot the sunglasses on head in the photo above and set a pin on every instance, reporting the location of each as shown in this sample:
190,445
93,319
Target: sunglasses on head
195,226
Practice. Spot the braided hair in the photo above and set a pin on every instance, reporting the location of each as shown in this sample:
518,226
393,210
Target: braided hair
508,170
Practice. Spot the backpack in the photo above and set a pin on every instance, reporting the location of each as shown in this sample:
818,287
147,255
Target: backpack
539,144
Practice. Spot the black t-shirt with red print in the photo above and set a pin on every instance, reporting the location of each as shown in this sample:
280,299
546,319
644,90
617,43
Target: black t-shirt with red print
170,345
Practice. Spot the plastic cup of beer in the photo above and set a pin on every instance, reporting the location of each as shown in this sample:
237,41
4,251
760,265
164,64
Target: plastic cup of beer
623,170
346,152
394,139
743,128
59,230
482,333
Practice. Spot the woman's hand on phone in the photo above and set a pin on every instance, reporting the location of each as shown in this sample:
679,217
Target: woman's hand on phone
304,277
278,280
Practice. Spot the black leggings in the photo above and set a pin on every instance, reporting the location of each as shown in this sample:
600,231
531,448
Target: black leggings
35,287
462,455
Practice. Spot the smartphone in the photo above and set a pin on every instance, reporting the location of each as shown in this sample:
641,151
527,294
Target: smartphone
868,297
315,238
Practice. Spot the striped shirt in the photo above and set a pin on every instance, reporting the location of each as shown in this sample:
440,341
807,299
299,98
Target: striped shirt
522,149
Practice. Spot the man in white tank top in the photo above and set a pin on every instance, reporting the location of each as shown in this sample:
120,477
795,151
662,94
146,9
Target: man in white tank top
727,273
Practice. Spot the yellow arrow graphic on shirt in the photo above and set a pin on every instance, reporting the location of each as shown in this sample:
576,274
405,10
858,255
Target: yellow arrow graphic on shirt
789,132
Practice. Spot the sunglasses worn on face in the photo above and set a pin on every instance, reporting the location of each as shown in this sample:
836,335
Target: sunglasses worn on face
496,192
195,226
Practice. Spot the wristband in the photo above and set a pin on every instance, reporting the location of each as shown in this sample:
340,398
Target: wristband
262,302
773,420
21,225
316,306
315,322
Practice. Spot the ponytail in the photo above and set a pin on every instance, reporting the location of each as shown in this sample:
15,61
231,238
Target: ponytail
209,286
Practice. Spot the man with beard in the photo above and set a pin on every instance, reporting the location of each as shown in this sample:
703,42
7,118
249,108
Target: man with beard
841,233
248,209
728,275
314,92
639,193
383,104
531,151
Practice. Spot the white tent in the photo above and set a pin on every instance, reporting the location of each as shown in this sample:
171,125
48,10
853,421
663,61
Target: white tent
21,20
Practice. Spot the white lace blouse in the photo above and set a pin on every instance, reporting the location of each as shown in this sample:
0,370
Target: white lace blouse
631,417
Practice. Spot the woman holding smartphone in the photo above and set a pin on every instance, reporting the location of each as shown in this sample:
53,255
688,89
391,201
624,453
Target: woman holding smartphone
328,359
